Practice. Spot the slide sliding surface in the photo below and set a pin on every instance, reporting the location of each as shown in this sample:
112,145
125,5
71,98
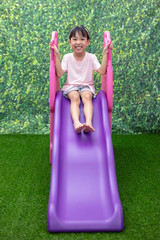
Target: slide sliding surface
83,191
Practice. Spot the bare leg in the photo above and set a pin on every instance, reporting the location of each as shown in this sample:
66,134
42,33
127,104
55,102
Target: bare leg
88,110
75,111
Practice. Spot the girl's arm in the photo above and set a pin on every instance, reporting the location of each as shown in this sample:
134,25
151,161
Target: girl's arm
102,69
59,70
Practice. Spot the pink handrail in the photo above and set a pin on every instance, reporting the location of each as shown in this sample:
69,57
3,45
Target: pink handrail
107,79
53,88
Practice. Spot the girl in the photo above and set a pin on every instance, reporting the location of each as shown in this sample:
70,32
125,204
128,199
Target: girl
79,66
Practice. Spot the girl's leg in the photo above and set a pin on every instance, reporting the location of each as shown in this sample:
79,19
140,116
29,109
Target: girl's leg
75,111
88,110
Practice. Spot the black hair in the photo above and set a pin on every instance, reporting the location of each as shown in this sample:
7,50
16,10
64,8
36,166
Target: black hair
82,29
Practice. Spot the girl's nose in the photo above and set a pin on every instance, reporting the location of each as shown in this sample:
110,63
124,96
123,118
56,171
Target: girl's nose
78,41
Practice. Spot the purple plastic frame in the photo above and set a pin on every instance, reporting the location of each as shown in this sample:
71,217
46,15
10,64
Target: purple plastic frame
83,189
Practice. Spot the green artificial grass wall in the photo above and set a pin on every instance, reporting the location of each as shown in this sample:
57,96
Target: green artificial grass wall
25,182
26,28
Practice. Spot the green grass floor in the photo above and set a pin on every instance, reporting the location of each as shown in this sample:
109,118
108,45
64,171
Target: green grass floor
25,183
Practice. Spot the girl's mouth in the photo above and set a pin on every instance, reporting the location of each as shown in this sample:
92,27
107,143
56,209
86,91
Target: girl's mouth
78,47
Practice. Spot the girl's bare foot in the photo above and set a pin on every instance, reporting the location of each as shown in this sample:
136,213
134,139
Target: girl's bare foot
78,127
88,128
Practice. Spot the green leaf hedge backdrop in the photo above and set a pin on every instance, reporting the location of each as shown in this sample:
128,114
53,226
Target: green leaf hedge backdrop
26,28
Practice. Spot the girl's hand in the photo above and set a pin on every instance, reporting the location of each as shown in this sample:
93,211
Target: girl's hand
56,51
106,49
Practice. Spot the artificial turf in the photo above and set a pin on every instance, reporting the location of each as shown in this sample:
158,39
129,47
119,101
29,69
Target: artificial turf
25,183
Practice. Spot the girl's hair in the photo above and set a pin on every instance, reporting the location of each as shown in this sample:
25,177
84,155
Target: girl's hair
82,29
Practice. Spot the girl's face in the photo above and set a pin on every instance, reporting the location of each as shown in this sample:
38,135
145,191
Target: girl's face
79,43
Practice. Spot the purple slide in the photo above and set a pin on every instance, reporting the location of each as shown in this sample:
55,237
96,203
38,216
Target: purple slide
83,190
